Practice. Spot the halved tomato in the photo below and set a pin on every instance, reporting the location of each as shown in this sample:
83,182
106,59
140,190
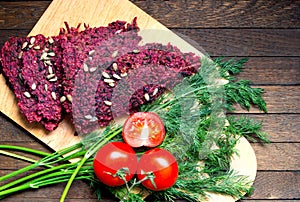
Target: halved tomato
143,129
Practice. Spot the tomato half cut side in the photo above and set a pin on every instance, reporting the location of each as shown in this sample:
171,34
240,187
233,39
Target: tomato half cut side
112,158
162,165
143,129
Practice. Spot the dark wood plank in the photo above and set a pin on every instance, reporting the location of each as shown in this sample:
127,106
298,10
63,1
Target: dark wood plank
14,199
9,163
268,185
79,190
272,70
6,34
267,200
21,15
277,156
281,128
174,14
277,186
273,156
11,132
203,14
279,99
245,42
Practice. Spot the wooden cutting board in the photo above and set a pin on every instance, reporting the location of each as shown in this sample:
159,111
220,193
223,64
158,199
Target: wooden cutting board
95,13
100,13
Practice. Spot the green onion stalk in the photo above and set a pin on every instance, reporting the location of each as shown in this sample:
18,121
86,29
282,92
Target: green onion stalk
58,166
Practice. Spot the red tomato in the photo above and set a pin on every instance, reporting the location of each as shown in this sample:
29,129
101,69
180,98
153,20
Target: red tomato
143,129
111,158
162,164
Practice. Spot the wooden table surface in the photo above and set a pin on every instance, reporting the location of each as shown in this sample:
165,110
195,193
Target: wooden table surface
266,32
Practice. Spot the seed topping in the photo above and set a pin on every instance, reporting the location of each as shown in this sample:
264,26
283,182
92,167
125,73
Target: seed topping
114,54
109,80
46,87
33,86
108,103
37,48
53,95
53,80
27,94
20,55
32,40
88,116
91,53
47,63
93,119
118,31
51,54
50,70
50,40
155,92
50,76
24,44
147,97
117,76
21,77
62,98
115,66
105,75
92,69
123,74
69,97
43,56
136,51
85,67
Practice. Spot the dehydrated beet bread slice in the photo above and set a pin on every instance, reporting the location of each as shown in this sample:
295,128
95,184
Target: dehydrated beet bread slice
96,66
41,73
145,73
79,46
11,60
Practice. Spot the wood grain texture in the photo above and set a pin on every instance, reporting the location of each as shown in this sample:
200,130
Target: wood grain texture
12,17
6,34
281,128
277,185
279,99
272,70
179,13
269,186
246,42
267,200
286,156
238,14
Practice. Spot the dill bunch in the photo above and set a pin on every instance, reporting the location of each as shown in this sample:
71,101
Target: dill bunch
200,134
